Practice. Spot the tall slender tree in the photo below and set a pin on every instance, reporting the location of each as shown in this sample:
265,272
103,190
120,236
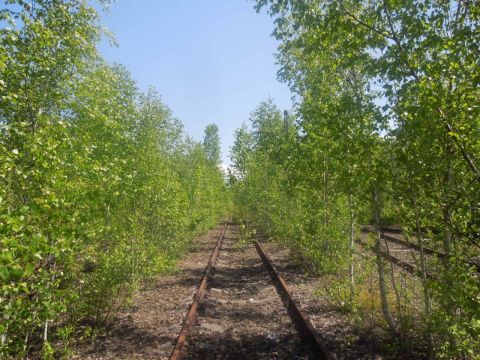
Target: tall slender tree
211,144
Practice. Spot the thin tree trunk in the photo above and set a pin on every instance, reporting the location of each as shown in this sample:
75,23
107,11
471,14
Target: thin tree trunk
267,215
447,213
325,215
45,331
423,268
350,245
26,343
394,283
381,273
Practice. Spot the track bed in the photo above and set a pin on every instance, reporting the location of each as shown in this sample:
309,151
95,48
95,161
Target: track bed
242,316
149,328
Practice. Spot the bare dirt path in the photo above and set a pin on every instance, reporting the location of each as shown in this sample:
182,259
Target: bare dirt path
149,329
242,316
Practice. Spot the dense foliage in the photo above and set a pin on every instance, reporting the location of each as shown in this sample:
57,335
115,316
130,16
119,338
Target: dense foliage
99,186
388,131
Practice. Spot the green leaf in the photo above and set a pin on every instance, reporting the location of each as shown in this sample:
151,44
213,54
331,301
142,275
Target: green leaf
4,274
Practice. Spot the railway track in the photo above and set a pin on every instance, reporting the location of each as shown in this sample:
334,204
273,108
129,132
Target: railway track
406,254
193,312
397,239
407,264
243,309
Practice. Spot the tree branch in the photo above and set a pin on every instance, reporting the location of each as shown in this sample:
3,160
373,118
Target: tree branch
466,156
361,22
397,42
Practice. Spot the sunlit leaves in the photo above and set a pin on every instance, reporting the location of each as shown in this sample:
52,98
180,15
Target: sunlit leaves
388,95
99,186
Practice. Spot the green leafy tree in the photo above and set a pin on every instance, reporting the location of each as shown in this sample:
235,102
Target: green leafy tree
99,188
388,125
211,144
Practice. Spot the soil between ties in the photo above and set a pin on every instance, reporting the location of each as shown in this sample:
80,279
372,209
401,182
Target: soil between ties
242,316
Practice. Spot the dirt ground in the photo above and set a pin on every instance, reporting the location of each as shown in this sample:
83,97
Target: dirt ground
148,330
242,316
336,331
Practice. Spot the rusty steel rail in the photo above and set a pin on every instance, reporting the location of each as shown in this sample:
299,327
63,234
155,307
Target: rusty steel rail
413,246
393,259
193,312
475,263
305,328
426,250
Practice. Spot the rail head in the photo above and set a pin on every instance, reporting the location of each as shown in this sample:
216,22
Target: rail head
298,316
191,318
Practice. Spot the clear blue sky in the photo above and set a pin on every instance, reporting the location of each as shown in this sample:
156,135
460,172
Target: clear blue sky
211,60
